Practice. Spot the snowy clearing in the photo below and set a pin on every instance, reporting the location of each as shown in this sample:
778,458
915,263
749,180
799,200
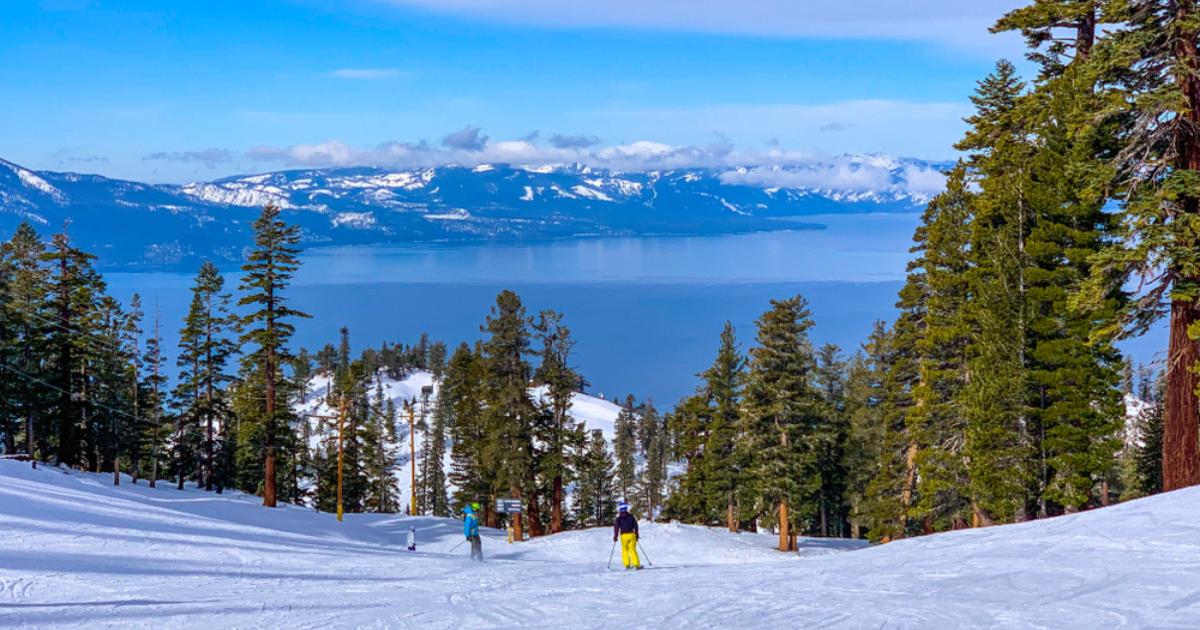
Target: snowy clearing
75,551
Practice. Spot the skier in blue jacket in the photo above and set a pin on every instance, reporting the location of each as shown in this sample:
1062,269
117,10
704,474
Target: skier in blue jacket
471,531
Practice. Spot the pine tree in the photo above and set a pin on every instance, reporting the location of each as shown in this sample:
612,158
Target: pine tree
27,316
303,370
653,436
132,437
782,411
1148,65
690,424
1148,457
625,451
935,299
435,481
461,395
829,439
268,270
562,432
112,373
509,412
595,498
1042,24
723,461
75,289
865,402
999,441
880,427
154,381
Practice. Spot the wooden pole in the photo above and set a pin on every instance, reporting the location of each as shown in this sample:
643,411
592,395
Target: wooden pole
341,422
341,413
412,461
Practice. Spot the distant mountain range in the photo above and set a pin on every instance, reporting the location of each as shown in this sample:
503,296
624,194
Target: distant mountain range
130,223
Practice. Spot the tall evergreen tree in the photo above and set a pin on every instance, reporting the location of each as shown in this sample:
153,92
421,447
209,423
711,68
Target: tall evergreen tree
830,436
999,440
154,382
625,451
509,412
1150,64
268,271
724,463
461,395
75,289
866,403
562,431
26,313
595,497
782,412
935,297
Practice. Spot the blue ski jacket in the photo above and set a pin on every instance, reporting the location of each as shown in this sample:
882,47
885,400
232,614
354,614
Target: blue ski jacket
470,525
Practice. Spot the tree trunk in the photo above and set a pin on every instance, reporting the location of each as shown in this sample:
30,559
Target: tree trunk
269,439
179,453
979,518
1181,466
518,533
910,477
535,516
855,532
556,508
490,517
824,522
784,536
730,517
1181,453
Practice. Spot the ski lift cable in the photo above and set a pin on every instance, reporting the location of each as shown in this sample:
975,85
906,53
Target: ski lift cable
61,326
60,390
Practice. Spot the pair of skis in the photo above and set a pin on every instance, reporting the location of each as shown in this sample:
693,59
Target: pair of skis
641,550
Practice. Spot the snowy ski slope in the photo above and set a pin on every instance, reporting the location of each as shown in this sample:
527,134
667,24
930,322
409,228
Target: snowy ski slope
77,552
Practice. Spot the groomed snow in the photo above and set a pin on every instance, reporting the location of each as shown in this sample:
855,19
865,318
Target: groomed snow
77,552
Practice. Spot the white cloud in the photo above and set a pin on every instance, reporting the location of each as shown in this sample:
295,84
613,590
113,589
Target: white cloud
840,174
923,180
366,74
954,22
211,158
331,153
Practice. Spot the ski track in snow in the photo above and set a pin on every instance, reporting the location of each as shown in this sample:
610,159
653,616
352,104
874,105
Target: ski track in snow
77,552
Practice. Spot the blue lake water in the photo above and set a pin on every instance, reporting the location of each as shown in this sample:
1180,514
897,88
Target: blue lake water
646,311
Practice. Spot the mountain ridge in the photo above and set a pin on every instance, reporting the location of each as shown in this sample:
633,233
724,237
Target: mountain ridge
137,224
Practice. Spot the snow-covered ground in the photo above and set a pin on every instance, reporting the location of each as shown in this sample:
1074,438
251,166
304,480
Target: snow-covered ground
77,552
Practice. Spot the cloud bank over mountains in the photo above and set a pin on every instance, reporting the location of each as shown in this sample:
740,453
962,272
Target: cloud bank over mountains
771,166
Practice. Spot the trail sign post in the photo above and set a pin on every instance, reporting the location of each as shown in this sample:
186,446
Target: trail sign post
508,506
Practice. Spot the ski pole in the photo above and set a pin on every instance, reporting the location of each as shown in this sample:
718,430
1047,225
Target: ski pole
456,546
639,544
610,554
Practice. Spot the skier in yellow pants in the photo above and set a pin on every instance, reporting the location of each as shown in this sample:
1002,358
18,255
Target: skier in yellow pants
626,528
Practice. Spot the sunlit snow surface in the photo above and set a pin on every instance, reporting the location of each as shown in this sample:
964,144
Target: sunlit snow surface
77,552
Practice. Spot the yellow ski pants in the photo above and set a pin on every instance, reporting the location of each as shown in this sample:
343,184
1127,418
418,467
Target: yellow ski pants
629,555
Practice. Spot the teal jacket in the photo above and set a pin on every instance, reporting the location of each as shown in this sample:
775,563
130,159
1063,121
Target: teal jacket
470,524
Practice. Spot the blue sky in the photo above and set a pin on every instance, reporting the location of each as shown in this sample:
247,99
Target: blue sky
182,90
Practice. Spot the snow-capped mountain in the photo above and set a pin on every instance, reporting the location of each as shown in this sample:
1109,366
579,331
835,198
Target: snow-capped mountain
133,223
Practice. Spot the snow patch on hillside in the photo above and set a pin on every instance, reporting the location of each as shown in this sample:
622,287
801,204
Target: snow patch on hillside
234,194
